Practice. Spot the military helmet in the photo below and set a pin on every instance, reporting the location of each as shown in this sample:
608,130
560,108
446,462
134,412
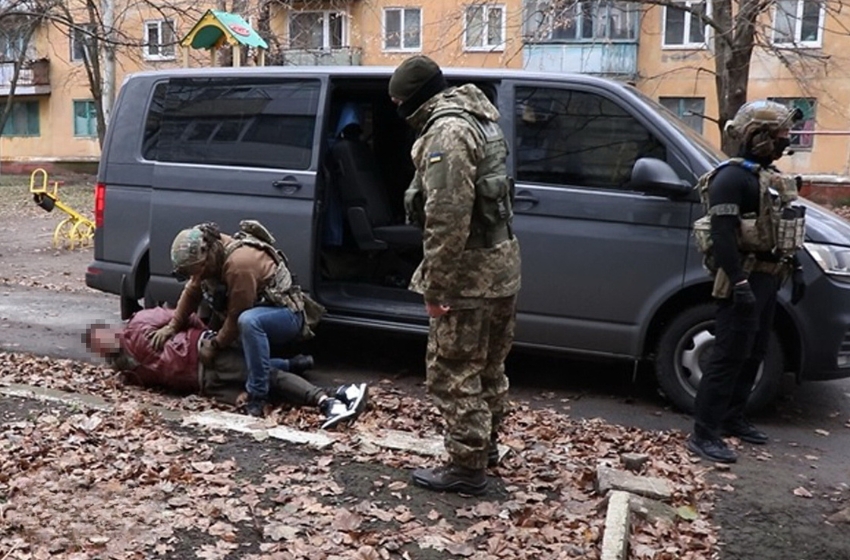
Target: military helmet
188,248
757,115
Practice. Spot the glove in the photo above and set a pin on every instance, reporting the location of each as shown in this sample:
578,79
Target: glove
207,351
798,286
160,336
743,298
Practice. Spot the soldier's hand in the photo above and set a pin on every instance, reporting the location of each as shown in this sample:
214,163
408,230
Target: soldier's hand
160,336
743,298
436,309
207,351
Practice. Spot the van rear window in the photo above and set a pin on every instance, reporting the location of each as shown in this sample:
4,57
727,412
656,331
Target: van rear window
233,122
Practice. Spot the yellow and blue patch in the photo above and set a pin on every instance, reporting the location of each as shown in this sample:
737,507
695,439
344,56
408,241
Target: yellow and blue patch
435,157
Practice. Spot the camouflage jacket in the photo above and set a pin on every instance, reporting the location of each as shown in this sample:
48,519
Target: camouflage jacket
446,157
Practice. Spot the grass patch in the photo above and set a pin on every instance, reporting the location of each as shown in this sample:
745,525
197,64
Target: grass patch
76,191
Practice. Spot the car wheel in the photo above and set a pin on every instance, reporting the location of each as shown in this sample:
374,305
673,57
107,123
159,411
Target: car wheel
683,352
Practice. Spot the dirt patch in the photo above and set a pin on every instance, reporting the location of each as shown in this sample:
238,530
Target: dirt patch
28,253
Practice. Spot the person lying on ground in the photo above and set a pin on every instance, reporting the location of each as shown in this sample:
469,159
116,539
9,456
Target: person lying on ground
176,367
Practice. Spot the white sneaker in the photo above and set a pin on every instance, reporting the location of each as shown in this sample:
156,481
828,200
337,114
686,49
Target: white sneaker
346,405
355,395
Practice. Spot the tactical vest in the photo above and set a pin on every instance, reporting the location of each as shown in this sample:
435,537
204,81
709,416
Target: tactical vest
777,228
492,210
281,290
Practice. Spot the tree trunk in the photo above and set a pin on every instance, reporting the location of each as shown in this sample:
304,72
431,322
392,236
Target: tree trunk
733,50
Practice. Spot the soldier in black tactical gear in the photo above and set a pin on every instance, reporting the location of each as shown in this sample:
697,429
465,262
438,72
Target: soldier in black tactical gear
750,236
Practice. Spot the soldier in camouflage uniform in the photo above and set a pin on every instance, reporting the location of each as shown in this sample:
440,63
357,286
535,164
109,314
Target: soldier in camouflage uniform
750,248
248,281
470,273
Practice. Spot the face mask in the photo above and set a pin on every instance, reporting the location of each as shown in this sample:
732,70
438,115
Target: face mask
779,146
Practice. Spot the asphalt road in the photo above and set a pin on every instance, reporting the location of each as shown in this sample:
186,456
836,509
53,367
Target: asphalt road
757,509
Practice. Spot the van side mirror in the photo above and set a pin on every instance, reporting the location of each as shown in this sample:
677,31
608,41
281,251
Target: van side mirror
654,176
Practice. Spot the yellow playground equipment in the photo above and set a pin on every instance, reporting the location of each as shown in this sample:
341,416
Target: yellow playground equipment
73,230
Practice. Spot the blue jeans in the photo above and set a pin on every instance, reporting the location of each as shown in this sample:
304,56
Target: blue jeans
259,329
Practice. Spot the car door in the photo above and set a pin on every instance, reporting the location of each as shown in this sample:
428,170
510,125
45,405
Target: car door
231,148
597,258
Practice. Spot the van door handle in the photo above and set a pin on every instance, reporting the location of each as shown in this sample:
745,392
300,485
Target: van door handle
531,200
287,185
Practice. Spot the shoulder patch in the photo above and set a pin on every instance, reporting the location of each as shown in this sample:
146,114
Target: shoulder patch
435,157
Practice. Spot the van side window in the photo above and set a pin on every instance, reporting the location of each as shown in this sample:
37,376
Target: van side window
233,122
578,138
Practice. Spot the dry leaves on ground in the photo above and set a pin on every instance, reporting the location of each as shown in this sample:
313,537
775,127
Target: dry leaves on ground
125,484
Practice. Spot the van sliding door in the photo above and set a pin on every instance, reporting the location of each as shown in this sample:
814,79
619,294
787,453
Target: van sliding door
231,148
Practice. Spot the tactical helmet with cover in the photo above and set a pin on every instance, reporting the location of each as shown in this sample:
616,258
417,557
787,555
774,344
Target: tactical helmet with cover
191,247
757,127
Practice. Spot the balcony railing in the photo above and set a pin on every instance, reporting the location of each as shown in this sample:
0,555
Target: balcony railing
33,79
611,59
345,56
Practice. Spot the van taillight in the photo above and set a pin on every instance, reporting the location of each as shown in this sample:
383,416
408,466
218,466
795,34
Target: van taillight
99,203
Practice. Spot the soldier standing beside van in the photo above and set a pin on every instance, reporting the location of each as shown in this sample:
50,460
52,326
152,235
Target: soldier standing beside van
470,272
749,237
246,279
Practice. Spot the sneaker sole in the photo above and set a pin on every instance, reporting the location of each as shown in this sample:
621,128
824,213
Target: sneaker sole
693,448
354,410
458,487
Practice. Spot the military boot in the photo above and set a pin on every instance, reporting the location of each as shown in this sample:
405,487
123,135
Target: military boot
451,478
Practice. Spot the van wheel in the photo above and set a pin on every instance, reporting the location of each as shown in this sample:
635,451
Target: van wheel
683,352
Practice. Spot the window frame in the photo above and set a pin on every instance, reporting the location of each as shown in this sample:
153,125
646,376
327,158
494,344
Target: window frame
326,29
486,30
796,42
83,30
686,31
160,23
92,119
402,47
544,29
26,134
680,105
796,137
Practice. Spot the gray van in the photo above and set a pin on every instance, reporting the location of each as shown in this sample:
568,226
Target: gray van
604,207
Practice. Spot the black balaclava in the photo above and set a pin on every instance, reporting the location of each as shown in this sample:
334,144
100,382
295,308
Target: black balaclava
415,81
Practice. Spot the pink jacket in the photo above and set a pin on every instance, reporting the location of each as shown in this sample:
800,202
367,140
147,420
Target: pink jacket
176,367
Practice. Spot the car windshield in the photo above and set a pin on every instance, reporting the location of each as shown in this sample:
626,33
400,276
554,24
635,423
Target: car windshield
708,151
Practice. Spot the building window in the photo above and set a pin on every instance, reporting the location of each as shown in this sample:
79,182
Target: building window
159,40
801,142
797,22
683,27
610,20
317,30
12,44
689,109
85,119
81,41
23,119
402,29
484,28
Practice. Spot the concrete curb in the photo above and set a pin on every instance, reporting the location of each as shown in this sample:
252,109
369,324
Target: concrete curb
615,536
228,421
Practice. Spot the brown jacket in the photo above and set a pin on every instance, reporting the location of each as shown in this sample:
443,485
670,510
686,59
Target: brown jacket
245,273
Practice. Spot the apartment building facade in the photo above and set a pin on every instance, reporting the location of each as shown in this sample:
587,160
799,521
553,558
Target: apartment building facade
663,50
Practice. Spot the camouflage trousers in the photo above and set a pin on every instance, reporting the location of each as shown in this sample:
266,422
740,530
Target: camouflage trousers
466,378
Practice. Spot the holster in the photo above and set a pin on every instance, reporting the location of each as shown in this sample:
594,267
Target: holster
722,288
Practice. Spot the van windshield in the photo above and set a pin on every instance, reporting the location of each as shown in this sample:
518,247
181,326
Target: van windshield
706,149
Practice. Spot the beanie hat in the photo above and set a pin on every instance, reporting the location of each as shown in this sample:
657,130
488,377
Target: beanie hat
415,81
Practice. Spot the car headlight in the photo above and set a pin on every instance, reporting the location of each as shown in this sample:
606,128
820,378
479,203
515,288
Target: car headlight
832,259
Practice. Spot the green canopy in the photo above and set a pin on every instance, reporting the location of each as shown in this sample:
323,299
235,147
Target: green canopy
216,28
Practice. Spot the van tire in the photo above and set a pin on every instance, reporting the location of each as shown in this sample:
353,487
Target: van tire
683,350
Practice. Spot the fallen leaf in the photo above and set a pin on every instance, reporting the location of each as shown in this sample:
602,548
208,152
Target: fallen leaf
821,432
802,492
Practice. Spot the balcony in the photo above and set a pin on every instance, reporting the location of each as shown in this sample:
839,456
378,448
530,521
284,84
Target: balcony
344,56
33,79
614,60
